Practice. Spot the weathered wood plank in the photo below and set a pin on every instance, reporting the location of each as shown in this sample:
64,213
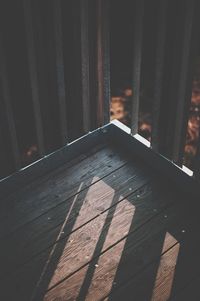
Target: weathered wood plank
110,230
35,201
41,179
95,281
89,241
170,272
46,230
49,163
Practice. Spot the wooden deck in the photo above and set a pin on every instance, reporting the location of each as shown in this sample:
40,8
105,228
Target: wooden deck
104,226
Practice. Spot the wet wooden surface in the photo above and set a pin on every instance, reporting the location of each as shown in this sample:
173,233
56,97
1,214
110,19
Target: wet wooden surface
101,227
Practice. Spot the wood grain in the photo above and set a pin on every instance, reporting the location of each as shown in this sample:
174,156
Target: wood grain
35,201
87,242
170,272
125,259
59,221
100,227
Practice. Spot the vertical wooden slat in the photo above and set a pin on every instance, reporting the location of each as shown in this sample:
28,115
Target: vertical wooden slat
85,66
137,60
33,74
8,108
185,85
196,164
197,161
103,62
168,90
60,69
159,72
106,59
93,75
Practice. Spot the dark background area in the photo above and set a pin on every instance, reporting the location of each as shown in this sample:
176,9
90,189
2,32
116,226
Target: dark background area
122,16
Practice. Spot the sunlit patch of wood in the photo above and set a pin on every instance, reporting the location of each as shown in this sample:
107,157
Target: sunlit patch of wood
83,241
102,282
79,249
166,270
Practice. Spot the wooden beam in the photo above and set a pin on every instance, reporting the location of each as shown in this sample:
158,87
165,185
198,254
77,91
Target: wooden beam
137,60
159,72
184,85
103,62
85,66
32,62
8,108
177,83
60,69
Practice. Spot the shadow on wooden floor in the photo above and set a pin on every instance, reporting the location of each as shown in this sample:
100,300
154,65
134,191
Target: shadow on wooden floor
128,235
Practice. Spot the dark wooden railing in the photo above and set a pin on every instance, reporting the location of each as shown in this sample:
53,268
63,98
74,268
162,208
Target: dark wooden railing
65,55
170,119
